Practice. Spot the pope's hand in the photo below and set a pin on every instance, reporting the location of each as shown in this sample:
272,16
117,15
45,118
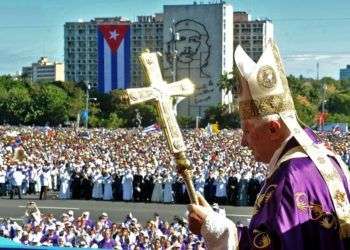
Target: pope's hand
198,214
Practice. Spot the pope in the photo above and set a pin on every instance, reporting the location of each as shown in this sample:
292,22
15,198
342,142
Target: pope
304,203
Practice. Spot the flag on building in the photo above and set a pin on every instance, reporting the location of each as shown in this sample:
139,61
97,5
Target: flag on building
113,56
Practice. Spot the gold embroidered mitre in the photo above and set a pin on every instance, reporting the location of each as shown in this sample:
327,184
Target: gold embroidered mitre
263,85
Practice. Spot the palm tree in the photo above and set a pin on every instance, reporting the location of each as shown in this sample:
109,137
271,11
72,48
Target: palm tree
229,83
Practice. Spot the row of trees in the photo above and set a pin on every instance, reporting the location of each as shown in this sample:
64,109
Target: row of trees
55,103
58,103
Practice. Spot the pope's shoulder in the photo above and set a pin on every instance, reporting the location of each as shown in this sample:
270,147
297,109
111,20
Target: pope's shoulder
300,173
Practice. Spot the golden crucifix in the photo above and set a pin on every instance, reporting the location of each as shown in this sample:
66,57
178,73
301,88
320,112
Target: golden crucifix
161,93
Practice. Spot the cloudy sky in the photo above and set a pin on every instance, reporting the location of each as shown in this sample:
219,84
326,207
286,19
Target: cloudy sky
307,31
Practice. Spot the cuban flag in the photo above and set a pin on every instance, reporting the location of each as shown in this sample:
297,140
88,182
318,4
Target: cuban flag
152,128
113,57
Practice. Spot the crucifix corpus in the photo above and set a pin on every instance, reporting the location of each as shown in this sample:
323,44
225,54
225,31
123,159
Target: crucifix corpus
161,93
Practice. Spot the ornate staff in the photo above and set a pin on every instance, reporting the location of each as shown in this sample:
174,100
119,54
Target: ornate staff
160,92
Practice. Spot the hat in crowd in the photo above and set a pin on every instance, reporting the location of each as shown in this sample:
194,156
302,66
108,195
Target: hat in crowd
152,222
104,214
215,206
176,245
68,244
70,213
51,227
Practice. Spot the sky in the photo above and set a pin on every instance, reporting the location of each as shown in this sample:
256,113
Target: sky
307,31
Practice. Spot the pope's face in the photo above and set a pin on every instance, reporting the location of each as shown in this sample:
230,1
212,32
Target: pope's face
257,139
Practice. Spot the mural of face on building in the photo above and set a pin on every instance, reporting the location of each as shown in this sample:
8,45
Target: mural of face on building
188,45
192,46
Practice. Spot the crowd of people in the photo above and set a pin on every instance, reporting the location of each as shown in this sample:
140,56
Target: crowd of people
82,231
128,165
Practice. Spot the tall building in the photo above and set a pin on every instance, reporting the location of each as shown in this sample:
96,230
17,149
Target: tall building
200,47
146,32
345,73
43,70
80,49
252,35
81,46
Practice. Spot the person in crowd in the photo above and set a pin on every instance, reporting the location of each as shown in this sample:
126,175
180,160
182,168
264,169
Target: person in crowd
2,181
220,191
168,192
138,185
64,175
17,179
107,184
97,180
86,184
157,194
76,184
127,181
45,178
107,241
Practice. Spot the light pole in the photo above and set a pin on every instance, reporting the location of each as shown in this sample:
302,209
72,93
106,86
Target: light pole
87,104
175,37
197,121
324,87
138,118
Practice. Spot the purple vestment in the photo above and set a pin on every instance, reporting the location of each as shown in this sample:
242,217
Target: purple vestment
294,210
110,243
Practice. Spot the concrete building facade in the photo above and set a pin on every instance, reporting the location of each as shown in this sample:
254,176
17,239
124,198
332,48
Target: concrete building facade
199,47
43,70
80,49
345,73
252,35
146,32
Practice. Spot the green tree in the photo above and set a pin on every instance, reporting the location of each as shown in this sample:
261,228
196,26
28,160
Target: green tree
51,104
113,121
186,122
339,103
221,115
17,104
95,120
338,118
229,81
